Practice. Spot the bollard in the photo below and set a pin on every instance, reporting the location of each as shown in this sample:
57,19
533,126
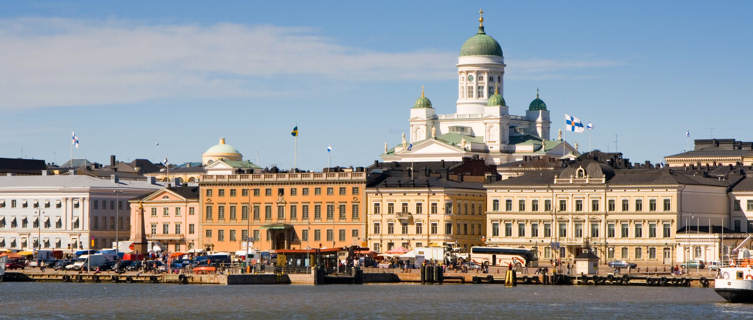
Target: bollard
423,274
436,274
429,274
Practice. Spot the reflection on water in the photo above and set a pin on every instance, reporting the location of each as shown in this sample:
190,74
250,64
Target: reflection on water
148,301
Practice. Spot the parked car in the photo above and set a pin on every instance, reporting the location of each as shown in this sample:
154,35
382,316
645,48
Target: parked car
15,264
621,264
694,264
134,265
60,264
714,265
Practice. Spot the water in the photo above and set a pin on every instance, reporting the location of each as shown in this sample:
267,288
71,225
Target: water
153,301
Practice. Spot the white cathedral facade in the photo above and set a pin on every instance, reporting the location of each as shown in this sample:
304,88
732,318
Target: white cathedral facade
482,124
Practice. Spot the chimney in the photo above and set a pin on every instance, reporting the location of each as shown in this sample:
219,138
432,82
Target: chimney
442,163
114,178
112,160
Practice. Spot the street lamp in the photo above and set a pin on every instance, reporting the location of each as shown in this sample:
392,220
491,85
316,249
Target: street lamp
117,224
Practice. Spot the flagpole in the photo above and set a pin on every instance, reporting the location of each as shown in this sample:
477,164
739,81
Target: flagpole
295,152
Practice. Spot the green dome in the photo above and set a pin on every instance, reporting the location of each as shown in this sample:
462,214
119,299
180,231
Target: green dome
496,100
423,101
481,45
537,104
222,149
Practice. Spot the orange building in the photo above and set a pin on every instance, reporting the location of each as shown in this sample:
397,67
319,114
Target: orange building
282,210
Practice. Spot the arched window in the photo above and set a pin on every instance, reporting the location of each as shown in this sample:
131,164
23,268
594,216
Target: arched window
580,173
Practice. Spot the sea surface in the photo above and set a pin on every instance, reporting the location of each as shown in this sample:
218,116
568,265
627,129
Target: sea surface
389,301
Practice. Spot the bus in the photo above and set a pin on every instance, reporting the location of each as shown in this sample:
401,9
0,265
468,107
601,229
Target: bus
500,256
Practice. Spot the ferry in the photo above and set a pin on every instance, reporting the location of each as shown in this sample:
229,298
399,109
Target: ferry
735,282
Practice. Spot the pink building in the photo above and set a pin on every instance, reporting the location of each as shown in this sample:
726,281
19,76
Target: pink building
167,219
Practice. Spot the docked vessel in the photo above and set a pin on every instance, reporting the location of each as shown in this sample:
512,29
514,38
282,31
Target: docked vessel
735,282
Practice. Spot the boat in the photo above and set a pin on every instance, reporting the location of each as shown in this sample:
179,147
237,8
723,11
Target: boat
735,281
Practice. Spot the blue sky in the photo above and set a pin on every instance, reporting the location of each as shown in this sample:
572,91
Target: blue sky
129,74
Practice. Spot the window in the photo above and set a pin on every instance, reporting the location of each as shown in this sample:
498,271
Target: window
355,212
257,235
96,204
268,192
305,235
244,192
268,212
280,212
166,211
305,191
652,253
154,229
293,191
354,191
448,207
624,230
191,229
305,212
624,253
13,203
154,212
220,235
668,204
434,209
330,191
666,232
508,205
594,230
343,191
638,230
220,212
737,226
448,228
652,205
610,205
563,205
376,208
377,228
610,230
191,211
256,212
177,211
257,192
652,230
625,205
419,208
233,193
638,205
419,228
508,229
341,234
233,212
579,230
750,204
390,228
403,228
521,229
638,253
563,230
547,230
521,205
547,205
390,208
534,230
165,228
208,213
293,212
578,205
330,234
594,205
610,253
221,192
232,235
280,192
534,205
177,228
330,211
341,211
495,205
244,213
244,235
434,228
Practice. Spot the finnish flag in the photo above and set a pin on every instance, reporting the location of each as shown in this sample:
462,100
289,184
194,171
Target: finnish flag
329,148
573,124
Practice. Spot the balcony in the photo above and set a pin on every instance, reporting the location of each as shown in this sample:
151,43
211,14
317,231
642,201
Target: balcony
405,217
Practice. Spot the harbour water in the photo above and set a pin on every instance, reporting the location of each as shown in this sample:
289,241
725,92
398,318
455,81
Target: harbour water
148,301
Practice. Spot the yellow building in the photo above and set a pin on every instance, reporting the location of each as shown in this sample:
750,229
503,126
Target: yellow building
426,204
625,214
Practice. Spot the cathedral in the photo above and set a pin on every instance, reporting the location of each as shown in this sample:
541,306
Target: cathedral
482,124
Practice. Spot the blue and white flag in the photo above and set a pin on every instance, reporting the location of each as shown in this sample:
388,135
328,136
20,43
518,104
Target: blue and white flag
410,146
589,126
74,140
330,148
573,124
165,162
687,133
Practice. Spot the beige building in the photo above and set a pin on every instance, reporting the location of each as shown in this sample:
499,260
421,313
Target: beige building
625,214
426,204
167,218
713,152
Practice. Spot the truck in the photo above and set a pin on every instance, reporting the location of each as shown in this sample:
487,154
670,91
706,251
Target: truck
90,261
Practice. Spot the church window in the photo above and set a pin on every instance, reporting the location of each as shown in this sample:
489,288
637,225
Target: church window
469,93
481,78
491,79
581,173
480,92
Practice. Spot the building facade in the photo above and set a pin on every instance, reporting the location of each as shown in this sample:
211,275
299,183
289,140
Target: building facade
482,124
66,212
426,204
714,152
167,218
282,210
626,214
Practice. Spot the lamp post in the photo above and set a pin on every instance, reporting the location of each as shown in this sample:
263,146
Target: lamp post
117,225
39,232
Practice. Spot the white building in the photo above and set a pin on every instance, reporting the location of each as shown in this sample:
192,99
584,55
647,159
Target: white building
482,124
67,212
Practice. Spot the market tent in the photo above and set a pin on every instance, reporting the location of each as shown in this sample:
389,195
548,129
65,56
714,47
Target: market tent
26,253
11,255
176,254
397,251
195,251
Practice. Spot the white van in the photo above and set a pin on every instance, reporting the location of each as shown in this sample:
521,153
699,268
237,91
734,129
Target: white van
89,261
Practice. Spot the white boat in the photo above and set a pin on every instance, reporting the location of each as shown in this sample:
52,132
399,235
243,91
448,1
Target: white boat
735,282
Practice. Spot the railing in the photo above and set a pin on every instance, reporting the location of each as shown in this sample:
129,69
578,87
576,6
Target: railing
286,177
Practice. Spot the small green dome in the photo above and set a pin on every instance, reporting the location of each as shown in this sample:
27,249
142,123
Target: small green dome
496,100
537,104
423,101
221,149
481,45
